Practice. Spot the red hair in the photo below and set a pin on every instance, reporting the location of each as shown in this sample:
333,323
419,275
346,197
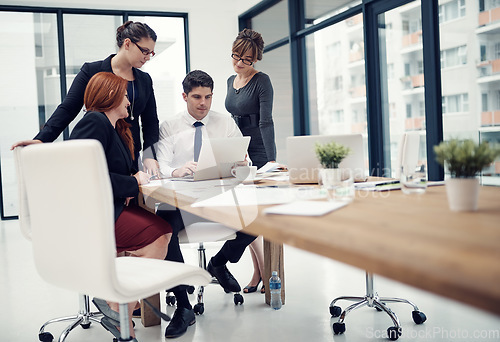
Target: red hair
104,92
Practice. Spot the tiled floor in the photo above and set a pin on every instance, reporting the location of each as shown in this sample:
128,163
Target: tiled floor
311,283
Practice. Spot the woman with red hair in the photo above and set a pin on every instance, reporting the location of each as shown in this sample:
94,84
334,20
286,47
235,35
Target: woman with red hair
137,231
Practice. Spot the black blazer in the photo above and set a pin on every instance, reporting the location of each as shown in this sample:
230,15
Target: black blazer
144,107
96,125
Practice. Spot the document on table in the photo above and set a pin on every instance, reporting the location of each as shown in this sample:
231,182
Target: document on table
248,195
305,208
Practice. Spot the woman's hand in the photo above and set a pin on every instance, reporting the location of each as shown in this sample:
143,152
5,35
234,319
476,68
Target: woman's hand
151,166
142,178
127,201
25,143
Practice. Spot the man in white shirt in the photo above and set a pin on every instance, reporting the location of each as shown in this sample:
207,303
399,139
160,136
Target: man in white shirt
176,155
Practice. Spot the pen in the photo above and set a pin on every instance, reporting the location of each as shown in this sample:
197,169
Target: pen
387,183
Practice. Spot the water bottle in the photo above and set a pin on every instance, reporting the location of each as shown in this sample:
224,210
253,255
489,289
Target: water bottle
275,288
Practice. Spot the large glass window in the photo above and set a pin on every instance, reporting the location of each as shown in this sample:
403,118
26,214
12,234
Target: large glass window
336,78
168,67
471,44
87,38
276,64
29,57
272,23
401,51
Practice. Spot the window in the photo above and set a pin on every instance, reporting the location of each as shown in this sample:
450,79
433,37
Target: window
408,110
451,10
87,37
455,103
484,102
454,56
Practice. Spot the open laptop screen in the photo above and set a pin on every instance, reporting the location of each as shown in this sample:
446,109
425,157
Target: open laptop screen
303,165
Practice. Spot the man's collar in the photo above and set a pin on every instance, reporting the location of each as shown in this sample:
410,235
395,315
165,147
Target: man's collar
191,120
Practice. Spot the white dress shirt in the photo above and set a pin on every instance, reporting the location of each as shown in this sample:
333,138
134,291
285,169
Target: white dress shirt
176,144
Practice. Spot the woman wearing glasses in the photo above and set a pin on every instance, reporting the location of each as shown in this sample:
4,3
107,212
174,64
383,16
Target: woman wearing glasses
249,99
138,232
136,43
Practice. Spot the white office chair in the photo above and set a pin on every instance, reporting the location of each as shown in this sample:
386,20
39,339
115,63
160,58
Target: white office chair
70,203
84,317
408,146
200,233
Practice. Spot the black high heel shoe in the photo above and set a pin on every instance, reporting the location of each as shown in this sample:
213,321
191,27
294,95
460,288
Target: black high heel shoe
250,289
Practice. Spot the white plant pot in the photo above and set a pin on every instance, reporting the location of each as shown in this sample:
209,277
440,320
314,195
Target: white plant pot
463,193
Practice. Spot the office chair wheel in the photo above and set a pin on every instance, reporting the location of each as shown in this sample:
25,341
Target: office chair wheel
393,333
45,337
170,300
199,308
335,311
238,299
418,317
190,289
338,328
85,325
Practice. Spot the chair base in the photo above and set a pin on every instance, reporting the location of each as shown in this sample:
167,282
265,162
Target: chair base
84,318
199,307
371,299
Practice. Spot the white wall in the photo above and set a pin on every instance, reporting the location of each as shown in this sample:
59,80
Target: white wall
213,25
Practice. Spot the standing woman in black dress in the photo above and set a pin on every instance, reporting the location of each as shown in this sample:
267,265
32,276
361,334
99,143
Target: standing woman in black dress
249,99
136,42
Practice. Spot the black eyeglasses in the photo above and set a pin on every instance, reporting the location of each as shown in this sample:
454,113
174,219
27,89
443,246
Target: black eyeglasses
244,60
144,51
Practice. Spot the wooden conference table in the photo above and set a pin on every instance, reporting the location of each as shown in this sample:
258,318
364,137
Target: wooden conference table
414,239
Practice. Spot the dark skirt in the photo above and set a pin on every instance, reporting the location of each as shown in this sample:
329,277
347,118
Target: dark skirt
136,228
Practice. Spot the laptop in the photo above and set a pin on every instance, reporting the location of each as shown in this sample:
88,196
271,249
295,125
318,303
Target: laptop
217,156
303,165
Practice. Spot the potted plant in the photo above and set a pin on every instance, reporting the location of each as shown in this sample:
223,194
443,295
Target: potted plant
464,160
338,183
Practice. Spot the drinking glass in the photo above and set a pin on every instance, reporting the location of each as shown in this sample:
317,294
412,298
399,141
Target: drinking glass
338,184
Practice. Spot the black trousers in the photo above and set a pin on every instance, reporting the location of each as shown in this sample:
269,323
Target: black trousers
232,250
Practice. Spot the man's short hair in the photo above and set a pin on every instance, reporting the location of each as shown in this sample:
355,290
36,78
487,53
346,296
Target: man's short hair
197,78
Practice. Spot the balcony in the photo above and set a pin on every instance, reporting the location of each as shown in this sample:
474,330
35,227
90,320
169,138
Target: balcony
359,91
355,56
412,81
359,127
356,20
412,39
491,118
488,17
488,68
415,124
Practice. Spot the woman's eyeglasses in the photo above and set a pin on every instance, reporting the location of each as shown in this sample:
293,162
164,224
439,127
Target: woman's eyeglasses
245,61
144,51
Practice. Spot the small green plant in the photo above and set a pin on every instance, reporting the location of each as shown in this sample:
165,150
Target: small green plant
331,154
465,158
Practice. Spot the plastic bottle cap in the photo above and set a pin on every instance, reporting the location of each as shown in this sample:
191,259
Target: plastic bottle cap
274,273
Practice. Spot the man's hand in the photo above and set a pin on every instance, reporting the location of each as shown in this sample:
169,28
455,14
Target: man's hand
186,170
25,143
151,166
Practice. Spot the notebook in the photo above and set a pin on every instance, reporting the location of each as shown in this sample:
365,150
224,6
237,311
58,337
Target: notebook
217,156
303,165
